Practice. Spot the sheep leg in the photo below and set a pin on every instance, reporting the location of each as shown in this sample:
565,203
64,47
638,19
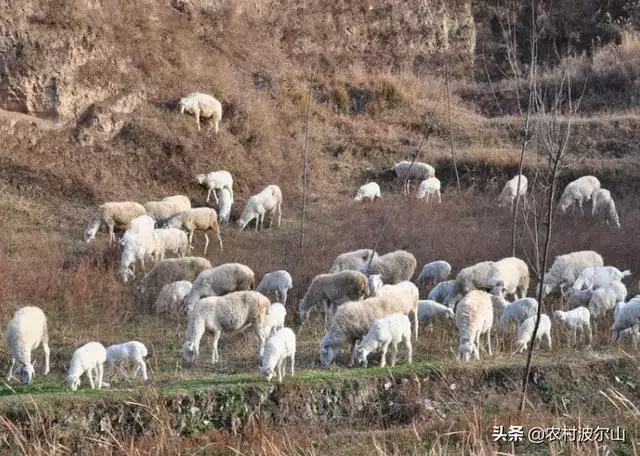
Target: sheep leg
352,359
273,215
383,355
279,369
257,329
415,323
89,372
220,241
325,305
439,197
394,353
190,240
99,373
489,342
197,114
112,236
215,195
588,331
10,375
214,346
216,125
208,195
283,296
293,361
206,244
407,343
279,213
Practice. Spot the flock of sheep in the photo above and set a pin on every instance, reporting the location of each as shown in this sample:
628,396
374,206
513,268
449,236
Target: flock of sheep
368,300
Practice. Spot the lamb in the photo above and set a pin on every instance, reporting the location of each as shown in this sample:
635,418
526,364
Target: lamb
408,294
599,277
440,292
369,191
428,188
604,299
167,207
171,296
433,272
219,281
276,283
169,240
518,311
393,267
256,207
202,219
141,224
216,180
580,190
352,321
217,314
474,317
627,316
428,309
226,201
605,206
525,332
26,330
330,290
352,260
389,330
168,271
202,105
274,321
279,347
574,320
375,283
567,268
406,172
132,350
89,359
113,214
473,277
511,276
510,190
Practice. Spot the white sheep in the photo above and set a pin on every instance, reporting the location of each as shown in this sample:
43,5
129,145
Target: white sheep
474,317
510,276
276,283
133,350
510,190
218,281
202,105
428,188
26,330
167,207
89,359
352,260
525,332
580,190
393,267
473,277
428,310
169,241
435,271
405,171
279,347
440,292
274,321
216,180
327,291
566,269
391,330
256,207
408,294
518,311
604,299
606,207
171,296
598,277
224,208
375,283
201,219
369,191
113,214
574,320
168,271
627,317
141,224
230,313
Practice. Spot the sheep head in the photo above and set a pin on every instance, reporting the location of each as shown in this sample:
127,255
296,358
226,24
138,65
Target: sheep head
73,382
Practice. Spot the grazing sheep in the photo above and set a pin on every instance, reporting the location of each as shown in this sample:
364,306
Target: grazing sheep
279,347
171,296
369,191
230,313
393,267
219,281
518,311
132,350
440,292
89,359
113,214
276,283
169,241
408,294
167,207
474,317
216,180
141,224
511,276
428,310
391,330
375,283
428,188
352,261
274,321
567,268
605,206
202,105
26,330
580,190
574,320
604,299
352,321
329,290
436,271
510,190
202,219
226,201
627,317
168,271
525,332
473,277
599,277
256,207
418,171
